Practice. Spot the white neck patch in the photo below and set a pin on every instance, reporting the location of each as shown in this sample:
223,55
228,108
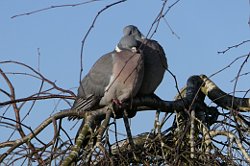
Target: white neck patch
117,49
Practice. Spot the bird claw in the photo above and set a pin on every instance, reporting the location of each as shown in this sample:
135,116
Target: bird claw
117,102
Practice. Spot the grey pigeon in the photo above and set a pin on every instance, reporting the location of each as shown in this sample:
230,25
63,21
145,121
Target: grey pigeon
116,76
155,61
128,43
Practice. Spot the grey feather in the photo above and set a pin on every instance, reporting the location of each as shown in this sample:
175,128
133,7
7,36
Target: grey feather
155,61
132,30
92,87
128,43
115,76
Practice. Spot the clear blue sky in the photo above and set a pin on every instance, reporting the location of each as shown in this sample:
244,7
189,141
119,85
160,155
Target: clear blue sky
204,27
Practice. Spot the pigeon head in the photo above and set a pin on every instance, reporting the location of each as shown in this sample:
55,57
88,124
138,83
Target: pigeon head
132,30
128,43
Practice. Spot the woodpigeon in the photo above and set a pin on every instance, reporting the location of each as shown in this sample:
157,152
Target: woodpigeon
155,61
116,76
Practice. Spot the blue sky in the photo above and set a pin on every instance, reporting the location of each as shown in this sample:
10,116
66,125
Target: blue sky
204,28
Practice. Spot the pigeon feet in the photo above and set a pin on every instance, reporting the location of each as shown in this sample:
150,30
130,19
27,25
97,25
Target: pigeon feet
117,102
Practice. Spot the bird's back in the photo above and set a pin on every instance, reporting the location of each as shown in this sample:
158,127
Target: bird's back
155,64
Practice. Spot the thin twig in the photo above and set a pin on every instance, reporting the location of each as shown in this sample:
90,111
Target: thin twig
234,46
89,30
52,7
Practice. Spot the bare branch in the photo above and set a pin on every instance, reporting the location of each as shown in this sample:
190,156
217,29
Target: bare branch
234,46
223,99
37,98
52,7
234,138
89,30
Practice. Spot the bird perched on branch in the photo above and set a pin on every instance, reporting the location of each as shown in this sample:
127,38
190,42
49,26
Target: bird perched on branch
155,61
135,67
115,77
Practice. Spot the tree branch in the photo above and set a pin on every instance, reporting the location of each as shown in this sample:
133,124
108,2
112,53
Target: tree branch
223,99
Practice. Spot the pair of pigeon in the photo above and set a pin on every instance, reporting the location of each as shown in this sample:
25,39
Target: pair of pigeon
136,67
